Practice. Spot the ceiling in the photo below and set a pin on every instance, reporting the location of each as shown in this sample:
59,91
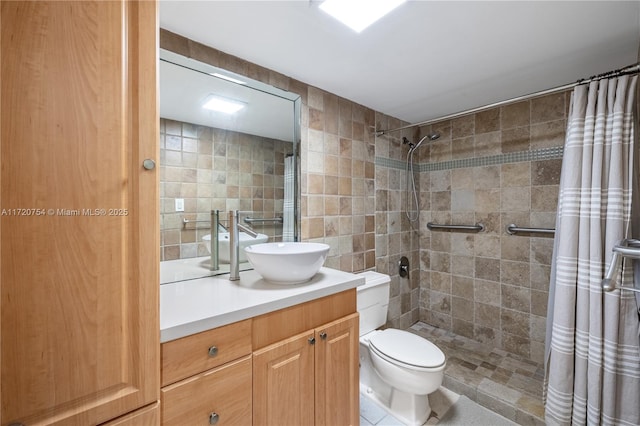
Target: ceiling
426,59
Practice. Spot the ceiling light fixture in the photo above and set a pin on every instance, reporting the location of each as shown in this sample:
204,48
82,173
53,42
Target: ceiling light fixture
359,14
220,104
226,77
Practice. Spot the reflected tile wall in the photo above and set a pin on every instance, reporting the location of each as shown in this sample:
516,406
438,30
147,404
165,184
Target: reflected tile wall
337,160
215,169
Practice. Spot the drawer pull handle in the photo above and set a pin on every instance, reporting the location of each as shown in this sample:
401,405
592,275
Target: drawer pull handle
213,418
323,335
312,340
213,351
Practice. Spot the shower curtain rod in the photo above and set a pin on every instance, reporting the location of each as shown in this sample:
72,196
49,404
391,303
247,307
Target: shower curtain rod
631,69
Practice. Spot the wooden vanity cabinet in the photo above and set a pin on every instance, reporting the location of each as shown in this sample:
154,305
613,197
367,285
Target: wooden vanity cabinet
207,377
79,294
312,377
294,366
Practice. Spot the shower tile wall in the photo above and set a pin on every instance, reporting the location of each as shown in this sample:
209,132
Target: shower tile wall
215,169
492,286
396,236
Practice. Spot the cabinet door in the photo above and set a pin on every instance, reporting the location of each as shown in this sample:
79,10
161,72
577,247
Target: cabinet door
79,239
336,390
283,375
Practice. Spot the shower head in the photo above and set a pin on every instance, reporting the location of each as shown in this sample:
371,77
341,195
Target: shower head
430,136
433,136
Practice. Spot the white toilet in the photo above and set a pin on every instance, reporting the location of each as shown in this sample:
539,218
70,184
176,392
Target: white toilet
397,368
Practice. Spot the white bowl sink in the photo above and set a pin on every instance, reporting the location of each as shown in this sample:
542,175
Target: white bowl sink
246,240
287,263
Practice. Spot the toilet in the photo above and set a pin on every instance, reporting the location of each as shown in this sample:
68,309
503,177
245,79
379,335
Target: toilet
398,369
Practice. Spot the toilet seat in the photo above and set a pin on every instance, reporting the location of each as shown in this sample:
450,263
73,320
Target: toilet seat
406,349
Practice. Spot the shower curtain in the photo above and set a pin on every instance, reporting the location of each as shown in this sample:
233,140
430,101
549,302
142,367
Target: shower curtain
288,213
592,354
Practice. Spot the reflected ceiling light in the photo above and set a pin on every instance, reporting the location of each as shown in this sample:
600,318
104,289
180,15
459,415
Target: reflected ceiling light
220,104
359,14
226,77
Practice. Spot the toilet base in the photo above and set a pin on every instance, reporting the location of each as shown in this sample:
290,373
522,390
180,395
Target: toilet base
409,408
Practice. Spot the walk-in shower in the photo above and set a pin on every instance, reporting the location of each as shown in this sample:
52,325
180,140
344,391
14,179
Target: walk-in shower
411,199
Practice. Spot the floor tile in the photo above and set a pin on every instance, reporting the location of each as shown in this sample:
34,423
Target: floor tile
506,382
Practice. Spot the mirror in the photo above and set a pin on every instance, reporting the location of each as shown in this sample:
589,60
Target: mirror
212,159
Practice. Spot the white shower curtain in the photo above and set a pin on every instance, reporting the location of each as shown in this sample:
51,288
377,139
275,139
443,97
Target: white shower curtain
592,358
288,211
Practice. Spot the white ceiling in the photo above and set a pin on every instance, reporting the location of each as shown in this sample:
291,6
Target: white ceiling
426,59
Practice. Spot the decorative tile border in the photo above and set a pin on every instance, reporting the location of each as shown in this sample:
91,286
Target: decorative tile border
511,157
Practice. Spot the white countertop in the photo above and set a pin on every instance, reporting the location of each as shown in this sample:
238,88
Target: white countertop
189,307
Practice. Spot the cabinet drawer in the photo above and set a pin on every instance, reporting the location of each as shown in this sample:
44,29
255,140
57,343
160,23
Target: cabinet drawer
224,392
200,352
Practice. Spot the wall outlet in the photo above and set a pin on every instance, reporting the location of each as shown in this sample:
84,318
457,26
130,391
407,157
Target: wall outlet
179,204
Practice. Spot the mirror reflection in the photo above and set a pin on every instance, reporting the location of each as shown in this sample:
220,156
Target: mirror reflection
226,143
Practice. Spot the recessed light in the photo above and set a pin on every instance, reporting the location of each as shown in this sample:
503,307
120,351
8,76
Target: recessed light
220,104
359,14
226,77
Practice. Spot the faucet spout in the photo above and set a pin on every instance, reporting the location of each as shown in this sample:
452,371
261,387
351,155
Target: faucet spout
251,232
234,246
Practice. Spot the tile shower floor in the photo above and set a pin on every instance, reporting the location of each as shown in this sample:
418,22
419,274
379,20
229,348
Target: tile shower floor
505,383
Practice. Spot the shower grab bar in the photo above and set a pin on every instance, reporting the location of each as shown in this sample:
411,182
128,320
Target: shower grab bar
514,229
477,227
186,221
263,219
626,248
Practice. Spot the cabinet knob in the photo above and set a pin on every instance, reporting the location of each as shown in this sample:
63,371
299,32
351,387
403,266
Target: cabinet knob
312,340
213,351
213,418
149,164
323,335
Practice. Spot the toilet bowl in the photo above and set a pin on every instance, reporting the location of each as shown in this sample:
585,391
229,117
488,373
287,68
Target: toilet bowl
397,368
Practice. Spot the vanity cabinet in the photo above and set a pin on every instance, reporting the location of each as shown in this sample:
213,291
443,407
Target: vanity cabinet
79,213
206,377
293,366
310,378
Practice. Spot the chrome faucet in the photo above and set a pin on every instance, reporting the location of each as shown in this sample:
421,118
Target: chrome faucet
234,243
251,232
213,244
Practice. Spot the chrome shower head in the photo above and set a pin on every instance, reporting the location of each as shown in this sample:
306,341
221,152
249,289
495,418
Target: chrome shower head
430,136
433,136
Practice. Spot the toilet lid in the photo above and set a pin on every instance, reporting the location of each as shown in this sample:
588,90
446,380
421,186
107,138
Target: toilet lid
407,348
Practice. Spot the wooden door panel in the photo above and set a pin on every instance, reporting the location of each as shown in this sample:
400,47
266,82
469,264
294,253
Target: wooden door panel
79,241
336,388
283,383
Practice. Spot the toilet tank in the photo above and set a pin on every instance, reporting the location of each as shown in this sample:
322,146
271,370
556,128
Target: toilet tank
373,301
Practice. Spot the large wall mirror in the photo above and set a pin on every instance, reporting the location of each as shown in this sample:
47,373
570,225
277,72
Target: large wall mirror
226,143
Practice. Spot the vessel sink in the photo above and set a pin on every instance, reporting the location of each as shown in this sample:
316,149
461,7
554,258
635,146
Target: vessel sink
246,240
287,263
